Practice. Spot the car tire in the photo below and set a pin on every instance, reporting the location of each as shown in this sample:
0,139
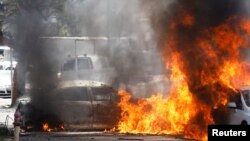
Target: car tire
243,122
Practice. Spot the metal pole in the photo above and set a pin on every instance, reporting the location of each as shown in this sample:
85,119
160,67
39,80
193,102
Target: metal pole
108,26
76,67
16,133
94,47
17,117
11,71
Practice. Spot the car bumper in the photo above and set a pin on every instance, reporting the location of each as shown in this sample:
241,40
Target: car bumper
5,91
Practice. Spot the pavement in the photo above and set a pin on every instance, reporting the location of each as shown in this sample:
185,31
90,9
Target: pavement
6,113
96,136
6,119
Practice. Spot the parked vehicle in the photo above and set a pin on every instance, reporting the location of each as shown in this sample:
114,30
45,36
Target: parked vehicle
78,104
5,84
87,67
6,65
240,107
6,74
7,59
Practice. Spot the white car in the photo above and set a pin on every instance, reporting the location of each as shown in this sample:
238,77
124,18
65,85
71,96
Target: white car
5,84
240,108
7,65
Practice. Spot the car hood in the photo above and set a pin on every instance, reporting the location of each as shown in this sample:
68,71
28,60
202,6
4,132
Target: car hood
5,78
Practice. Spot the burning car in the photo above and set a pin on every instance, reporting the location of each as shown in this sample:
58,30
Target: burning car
74,105
240,107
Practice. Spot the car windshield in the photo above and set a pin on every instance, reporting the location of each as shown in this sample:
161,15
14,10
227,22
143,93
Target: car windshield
83,63
246,95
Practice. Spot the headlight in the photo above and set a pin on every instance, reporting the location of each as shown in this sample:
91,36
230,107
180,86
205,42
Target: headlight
59,75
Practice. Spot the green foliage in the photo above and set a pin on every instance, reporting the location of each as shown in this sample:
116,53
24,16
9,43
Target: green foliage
44,9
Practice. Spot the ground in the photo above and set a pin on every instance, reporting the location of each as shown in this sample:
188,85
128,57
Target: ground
95,136
6,119
6,113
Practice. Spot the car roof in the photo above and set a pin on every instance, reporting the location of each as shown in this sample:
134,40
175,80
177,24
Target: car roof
4,48
245,88
80,83
93,57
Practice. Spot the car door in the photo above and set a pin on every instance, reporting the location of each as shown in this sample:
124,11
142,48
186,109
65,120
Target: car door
75,108
236,114
105,109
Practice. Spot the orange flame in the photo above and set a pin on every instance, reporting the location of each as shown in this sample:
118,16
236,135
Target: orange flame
47,128
188,20
195,94
61,126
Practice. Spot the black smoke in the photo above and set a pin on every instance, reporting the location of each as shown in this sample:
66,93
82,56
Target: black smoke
36,60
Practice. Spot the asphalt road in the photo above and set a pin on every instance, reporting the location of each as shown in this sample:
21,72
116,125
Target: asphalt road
95,136
6,113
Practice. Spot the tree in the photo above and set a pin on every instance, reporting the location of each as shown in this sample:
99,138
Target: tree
22,23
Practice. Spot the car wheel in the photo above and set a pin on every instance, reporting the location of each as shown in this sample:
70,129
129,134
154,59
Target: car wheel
243,123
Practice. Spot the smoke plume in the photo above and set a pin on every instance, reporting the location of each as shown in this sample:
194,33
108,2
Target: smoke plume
202,36
39,60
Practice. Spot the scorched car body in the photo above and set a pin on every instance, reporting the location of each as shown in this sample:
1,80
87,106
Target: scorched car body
78,104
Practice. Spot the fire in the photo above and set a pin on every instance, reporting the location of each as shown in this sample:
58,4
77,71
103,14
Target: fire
151,115
47,128
61,126
205,70
188,20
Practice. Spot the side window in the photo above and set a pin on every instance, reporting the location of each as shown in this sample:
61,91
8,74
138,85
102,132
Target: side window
70,65
74,94
236,97
246,96
238,101
102,94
